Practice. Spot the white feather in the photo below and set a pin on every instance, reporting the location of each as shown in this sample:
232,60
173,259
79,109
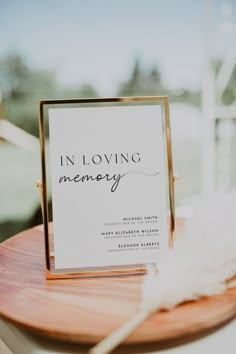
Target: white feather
201,260
198,265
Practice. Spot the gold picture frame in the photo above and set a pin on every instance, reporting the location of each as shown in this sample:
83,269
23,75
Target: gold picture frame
51,272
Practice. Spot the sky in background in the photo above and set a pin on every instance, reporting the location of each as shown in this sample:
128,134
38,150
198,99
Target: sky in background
97,41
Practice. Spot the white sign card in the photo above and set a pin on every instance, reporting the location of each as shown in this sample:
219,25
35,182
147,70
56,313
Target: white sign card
108,179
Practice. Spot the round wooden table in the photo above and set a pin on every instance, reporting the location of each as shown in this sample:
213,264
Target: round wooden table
86,310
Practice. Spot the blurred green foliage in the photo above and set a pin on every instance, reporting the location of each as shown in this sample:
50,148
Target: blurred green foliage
21,86
149,82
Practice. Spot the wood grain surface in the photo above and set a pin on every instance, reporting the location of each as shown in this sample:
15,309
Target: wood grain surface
86,310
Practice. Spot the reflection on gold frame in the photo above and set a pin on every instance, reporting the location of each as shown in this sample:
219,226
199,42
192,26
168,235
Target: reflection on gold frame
51,272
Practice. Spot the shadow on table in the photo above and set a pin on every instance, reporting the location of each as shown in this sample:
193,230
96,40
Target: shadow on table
143,348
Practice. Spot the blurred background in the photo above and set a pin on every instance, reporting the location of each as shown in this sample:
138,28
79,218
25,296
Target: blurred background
75,48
